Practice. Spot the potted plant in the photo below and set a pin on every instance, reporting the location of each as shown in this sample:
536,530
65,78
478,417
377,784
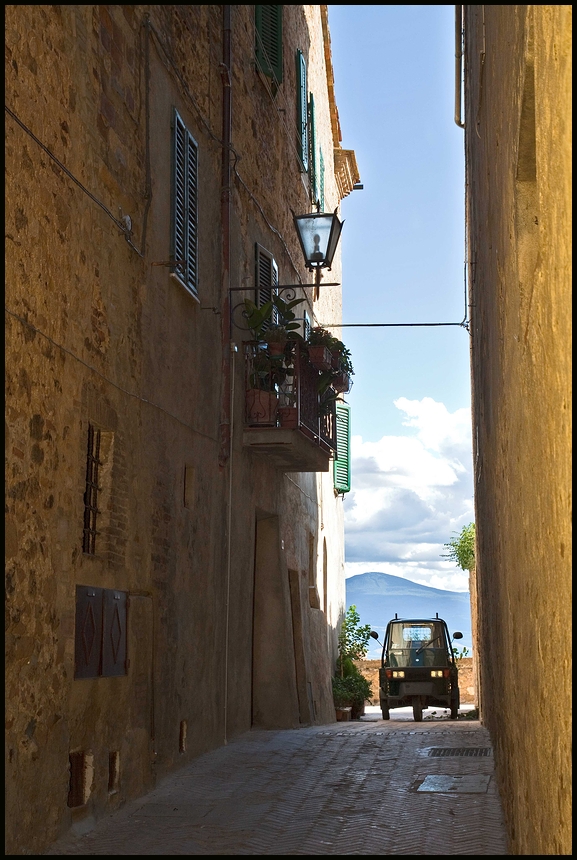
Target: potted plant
319,344
261,395
350,687
288,412
352,692
342,365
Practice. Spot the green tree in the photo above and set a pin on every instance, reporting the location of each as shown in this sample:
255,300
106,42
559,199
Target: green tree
462,548
353,641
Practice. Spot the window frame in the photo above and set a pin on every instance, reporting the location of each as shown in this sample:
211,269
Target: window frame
342,461
265,293
100,632
302,107
92,489
184,206
269,32
313,163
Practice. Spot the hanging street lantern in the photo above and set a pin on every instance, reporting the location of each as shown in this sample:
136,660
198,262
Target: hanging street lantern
319,234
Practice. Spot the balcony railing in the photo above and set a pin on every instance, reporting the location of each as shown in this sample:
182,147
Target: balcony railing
283,393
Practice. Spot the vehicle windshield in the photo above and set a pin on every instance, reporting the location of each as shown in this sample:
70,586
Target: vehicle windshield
417,643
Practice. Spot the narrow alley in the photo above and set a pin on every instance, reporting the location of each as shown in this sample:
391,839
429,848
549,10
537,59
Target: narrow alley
362,787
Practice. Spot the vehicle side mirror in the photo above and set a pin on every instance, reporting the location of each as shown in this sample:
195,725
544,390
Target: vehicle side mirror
457,635
374,635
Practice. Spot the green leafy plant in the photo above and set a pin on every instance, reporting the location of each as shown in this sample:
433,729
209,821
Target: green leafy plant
353,639
268,372
462,548
351,691
460,653
350,687
259,320
286,317
319,336
257,317
344,357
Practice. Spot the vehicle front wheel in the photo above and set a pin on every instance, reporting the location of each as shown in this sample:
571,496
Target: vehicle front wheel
417,709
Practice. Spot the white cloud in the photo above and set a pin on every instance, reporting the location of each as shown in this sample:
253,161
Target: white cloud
410,494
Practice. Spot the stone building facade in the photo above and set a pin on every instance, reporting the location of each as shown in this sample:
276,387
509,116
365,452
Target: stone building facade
174,576
517,123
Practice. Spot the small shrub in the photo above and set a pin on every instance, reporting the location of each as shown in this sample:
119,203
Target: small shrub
352,690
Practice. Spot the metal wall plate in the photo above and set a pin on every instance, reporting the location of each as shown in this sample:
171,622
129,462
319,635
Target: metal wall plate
468,784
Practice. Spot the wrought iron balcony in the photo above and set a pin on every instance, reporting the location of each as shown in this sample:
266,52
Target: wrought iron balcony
287,418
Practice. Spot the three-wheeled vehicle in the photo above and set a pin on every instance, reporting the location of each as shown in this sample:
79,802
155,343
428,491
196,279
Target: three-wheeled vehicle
418,666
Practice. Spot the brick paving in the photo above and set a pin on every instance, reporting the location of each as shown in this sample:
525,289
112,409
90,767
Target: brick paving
363,787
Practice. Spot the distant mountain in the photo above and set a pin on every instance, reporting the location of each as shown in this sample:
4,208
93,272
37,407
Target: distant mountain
378,596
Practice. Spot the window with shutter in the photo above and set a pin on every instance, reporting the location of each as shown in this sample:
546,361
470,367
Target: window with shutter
88,632
184,251
306,325
313,166
302,111
100,632
268,41
114,633
342,463
91,510
322,181
266,279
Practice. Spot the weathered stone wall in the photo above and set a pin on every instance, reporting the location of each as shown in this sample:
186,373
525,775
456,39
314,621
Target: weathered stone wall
518,155
98,332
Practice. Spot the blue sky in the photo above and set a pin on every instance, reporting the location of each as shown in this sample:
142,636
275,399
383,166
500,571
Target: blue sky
403,253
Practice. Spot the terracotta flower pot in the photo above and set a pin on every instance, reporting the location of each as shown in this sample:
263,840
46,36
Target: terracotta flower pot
276,347
261,407
288,416
342,383
320,357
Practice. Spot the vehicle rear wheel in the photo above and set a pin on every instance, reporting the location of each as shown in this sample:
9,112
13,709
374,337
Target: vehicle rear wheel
417,709
385,710
455,702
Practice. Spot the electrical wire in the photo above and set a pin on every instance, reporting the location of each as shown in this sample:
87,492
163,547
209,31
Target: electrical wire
464,324
106,378
120,224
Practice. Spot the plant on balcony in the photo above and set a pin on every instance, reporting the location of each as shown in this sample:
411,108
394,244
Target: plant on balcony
266,374
319,344
329,354
342,366
257,318
274,334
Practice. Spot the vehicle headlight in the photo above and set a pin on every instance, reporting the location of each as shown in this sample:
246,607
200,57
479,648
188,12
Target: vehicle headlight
398,674
437,673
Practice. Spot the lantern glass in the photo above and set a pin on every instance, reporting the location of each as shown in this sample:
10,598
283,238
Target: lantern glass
319,234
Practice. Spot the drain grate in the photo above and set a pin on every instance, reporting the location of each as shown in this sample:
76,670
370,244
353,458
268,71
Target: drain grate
443,752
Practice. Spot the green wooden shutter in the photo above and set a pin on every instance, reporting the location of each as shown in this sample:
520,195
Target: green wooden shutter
184,243
313,149
322,181
302,111
268,47
342,463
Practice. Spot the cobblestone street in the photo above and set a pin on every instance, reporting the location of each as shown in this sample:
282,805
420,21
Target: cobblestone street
363,787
